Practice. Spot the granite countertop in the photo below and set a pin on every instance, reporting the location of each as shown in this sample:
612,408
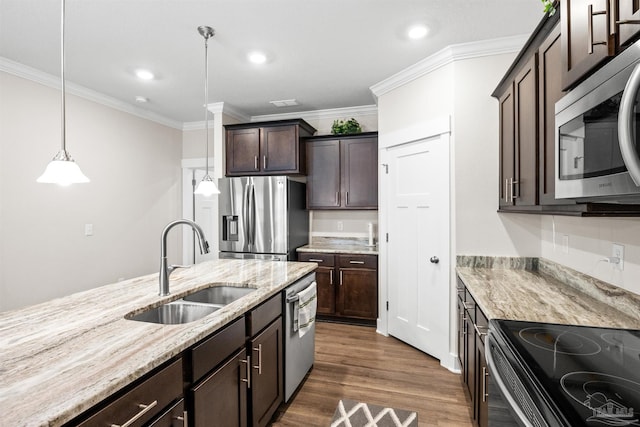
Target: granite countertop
339,246
539,290
60,358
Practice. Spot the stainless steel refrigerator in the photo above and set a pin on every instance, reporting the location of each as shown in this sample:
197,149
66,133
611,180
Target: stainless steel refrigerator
262,217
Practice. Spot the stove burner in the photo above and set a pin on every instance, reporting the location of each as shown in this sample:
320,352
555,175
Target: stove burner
610,398
621,340
560,341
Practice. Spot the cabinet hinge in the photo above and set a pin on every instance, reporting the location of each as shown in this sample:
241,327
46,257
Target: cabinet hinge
387,305
386,168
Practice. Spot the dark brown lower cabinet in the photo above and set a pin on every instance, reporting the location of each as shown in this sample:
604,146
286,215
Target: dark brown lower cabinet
221,398
267,387
175,416
347,285
472,328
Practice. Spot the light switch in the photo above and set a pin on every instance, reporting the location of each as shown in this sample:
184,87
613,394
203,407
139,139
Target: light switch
88,229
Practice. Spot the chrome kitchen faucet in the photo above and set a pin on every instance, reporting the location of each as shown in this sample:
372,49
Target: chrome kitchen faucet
165,269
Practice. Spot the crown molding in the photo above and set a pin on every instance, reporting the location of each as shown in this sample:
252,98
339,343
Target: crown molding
448,55
217,108
37,76
333,113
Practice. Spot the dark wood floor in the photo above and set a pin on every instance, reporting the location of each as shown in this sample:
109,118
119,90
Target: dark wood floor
355,362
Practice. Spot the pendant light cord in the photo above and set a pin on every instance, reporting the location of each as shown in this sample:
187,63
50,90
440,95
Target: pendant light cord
64,148
206,99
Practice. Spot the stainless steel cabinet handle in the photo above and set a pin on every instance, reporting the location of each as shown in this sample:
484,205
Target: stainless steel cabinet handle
485,374
144,409
259,365
590,16
347,198
337,198
331,278
513,188
626,126
255,162
464,325
184,418
356,262
478,331
264,162
340,277
247,380
467,307
315,260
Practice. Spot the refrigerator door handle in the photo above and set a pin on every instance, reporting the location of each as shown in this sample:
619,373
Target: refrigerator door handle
252,215
245,212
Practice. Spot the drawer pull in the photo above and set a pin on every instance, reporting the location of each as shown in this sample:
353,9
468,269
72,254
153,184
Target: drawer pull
259,365
485,374
356,262
467,307
315,260
144,409
478,331
184,418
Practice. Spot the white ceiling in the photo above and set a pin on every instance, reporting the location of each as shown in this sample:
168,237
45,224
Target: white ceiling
324,53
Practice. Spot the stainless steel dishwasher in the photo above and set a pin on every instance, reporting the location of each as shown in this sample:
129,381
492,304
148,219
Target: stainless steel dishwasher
298,351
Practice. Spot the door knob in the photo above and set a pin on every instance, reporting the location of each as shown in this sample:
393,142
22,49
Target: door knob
434,259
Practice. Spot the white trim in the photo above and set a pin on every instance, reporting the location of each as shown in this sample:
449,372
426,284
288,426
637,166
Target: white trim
451,363
29,73
333,113
448,55
422,130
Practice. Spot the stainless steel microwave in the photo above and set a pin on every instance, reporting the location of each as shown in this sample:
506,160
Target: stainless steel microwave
598,134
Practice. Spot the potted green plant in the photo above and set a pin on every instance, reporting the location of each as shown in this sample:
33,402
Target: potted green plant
343,127
549,7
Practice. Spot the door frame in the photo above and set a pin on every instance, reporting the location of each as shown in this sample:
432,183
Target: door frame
439,127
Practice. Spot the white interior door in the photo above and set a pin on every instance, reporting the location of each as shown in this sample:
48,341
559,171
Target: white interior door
418,247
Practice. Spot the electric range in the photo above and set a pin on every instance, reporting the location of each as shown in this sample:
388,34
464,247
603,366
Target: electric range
566,375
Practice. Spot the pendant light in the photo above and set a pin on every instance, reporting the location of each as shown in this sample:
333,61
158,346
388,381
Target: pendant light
206,187
62,170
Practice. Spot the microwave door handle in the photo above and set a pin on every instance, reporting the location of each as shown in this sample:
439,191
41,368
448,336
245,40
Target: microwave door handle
626,126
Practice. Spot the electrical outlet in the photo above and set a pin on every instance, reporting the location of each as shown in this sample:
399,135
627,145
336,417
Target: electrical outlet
617,251
88,229
565,243
340,226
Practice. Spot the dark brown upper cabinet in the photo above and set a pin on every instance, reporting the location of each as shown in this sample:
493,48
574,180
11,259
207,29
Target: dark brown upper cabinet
628,22
343,172
267,148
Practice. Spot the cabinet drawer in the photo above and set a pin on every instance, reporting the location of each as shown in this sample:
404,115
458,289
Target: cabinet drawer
214,350
155,393
264,314
175,416
323,260
358,261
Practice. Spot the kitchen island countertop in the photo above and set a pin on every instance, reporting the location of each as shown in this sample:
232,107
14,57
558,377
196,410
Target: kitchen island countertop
61,357
542,291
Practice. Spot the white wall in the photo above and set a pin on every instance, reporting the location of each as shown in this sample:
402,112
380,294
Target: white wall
343,223
479,229
134,167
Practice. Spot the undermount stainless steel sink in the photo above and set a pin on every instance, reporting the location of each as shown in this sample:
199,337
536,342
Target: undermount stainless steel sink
218,295
174,313
192,307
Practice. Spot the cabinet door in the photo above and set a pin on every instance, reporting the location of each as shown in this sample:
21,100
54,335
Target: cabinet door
279,148
326,290
482,393
359,159
526,126
323,179
267,392
358,293
507,144
586,38
628,19
549,92
243,151
221,398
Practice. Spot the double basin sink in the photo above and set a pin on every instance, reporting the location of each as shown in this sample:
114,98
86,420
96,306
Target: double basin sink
192,307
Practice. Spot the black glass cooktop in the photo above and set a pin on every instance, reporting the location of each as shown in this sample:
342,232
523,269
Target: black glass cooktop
590,375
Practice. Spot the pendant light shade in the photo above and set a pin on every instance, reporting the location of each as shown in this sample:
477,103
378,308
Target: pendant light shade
62,170
207,187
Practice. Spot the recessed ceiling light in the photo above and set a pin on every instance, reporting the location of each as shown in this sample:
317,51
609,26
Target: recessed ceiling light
284,103
417,32
257,57
144,74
